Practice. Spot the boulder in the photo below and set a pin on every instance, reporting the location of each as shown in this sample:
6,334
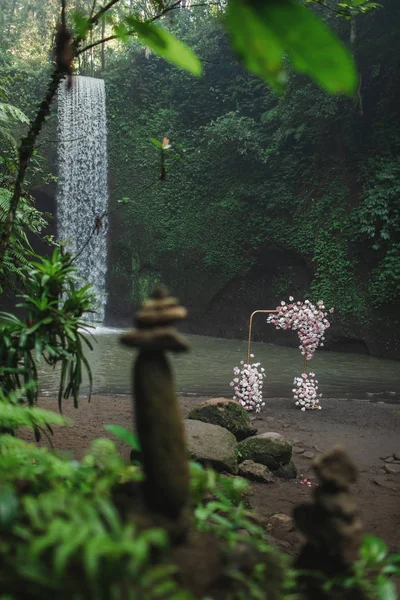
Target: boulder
288,471
281,530
384,483
269,449
392,469
280,525
211,445
226,413
272,435
255,472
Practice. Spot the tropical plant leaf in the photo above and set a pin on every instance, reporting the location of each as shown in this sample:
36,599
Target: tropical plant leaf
81,24
156,143
373,549
263,33
386,589
166,45
125,435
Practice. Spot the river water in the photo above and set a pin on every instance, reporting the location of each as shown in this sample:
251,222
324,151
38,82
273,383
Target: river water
207,369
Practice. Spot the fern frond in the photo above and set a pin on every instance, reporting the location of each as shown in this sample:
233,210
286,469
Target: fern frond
9,113
5,197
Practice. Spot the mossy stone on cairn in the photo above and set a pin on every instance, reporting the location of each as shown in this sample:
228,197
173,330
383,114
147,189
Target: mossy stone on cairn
159,421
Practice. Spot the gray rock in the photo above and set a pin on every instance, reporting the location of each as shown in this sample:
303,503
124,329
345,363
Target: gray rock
298,450
256,472
212,445
269,449
392,469
389,460
226,413
288,471
309,454
271,435
384,483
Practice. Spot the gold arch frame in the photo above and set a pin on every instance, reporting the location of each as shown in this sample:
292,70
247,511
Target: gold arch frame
250,331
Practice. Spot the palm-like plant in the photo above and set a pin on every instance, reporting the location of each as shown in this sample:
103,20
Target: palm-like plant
52,330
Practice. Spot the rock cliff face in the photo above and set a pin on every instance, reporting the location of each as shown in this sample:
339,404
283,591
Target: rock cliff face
222,308
273,198
219,307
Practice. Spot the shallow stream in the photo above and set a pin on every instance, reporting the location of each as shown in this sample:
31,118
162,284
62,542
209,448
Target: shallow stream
207,369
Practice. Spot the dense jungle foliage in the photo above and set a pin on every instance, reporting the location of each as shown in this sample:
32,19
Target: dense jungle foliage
308,175
299,191
232,185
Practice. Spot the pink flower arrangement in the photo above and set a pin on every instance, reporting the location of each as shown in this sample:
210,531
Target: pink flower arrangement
307,319
306,392
247,385
306,482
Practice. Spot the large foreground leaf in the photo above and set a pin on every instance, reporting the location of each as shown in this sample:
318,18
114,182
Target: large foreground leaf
263,32
166,45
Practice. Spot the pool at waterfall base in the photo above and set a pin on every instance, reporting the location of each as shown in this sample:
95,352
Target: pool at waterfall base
207,369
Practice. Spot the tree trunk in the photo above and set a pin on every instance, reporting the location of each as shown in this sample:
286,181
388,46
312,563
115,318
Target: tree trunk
103,53
25,154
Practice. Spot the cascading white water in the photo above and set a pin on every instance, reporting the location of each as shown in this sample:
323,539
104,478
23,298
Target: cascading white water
82,195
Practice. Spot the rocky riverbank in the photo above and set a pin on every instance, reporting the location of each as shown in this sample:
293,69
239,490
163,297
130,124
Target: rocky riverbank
368,431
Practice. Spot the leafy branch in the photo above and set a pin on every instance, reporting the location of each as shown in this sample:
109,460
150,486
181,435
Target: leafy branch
28,142
262,34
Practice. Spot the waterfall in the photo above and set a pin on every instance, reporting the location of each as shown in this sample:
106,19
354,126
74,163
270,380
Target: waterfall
82,194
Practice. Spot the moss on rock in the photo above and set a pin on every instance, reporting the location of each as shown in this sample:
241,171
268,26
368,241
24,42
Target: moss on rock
288,471
226,413
273,452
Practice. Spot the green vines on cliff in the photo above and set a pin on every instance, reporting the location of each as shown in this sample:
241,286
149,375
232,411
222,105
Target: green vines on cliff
310,176
258,171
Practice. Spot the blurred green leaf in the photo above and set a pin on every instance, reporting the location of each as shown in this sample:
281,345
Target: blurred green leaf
263,33
166,45
8,507
373,549
81,24
156,143
386,589
125,435
121,32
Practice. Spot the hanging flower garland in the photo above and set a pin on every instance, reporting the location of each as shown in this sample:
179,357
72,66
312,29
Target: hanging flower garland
310,321
306,392
247,385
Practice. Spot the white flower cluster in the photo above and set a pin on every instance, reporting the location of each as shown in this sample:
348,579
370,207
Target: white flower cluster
308,320
306,392
247,385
